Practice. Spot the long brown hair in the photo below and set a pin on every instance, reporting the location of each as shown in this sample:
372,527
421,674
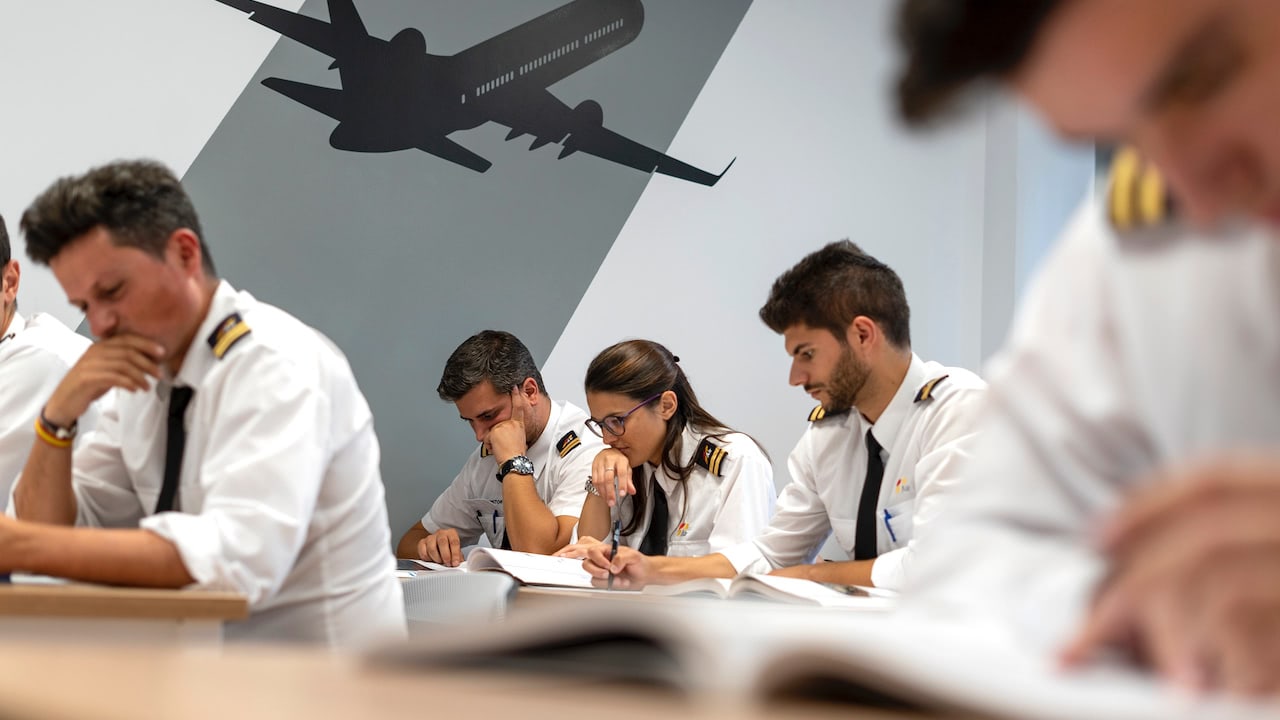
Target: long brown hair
640,369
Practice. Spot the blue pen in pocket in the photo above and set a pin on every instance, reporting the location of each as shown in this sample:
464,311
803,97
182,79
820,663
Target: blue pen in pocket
889,526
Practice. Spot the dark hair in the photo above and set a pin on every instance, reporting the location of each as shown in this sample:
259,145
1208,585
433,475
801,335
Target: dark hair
834,285
490,355
140,202
6,252
950,44
640,369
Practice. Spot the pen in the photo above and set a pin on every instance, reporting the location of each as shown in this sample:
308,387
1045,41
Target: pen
889,526
617,528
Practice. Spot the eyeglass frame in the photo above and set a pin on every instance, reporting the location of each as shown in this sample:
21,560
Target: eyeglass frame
598,427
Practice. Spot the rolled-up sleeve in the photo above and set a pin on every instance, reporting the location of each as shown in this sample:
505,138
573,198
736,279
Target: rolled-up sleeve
261,473
798,529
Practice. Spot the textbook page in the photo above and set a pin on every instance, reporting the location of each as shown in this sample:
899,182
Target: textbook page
762,651
529,568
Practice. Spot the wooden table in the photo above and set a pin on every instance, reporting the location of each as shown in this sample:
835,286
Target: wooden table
44,682
96,613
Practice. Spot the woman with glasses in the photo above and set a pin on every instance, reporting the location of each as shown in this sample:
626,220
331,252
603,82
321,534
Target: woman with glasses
689,485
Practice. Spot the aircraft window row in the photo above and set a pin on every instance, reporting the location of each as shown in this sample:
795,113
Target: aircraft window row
604,30
557,53
493,84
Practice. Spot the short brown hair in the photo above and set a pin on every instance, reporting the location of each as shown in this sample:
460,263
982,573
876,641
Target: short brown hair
834,285
140,202
951,44
495,356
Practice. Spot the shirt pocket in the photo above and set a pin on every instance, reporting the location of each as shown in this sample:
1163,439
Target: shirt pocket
688,548
845,530
489,518
898,521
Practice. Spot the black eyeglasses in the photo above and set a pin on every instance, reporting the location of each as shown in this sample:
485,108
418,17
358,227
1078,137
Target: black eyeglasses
616,424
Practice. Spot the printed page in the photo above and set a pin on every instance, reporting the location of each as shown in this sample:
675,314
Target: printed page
531,569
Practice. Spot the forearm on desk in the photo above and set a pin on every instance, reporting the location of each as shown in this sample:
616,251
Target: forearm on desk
665,570
118,557
848,572
408,545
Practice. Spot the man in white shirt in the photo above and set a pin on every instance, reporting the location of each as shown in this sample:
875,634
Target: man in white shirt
35,353
523,487
1131,470
240,454
883,451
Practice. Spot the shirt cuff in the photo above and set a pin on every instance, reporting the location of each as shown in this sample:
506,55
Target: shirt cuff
199,545
888,572
747,558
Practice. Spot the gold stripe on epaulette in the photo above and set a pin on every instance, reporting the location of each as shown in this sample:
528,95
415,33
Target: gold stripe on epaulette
484,451
1137,196
229,338
717,457
570,446
817,414
926,390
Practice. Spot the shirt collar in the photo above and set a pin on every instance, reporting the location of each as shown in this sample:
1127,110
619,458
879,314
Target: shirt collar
16,325
886,428
540,451
199,359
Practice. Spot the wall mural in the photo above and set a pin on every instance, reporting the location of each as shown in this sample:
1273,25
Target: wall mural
397,96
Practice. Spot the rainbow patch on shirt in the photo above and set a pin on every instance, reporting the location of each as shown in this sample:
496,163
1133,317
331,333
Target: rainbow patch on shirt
682,529
903,485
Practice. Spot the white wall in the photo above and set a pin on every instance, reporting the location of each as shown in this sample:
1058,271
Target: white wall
87,82
802,96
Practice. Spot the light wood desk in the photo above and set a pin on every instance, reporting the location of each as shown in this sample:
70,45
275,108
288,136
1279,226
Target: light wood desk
42,682
96,613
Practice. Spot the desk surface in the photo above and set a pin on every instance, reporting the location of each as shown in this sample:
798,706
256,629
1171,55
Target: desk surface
99,601
39,682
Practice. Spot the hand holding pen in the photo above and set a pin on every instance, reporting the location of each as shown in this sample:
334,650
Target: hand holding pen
616,512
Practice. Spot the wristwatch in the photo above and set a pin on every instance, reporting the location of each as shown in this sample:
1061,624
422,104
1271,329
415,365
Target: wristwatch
67,433
519,464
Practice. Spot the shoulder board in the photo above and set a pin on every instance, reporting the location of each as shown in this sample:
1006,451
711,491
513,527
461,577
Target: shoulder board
820,412
710,456
229,332
1137,196
484,450
568,443
926,390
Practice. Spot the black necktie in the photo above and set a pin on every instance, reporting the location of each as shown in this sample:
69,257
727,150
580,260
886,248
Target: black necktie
655,538
179,397
864,537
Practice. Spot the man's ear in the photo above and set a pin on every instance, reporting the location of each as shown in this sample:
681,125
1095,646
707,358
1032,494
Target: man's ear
862,332
185,245
667,404
10,276
530,390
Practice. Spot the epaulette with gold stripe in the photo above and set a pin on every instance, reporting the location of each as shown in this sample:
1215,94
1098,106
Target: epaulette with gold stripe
568,443
484,450
710,456
820,412
229,332
926,390
1137,196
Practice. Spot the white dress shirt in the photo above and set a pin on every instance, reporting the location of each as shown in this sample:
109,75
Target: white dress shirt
35,354
280,497
708,512
1129,354
562,456
925,444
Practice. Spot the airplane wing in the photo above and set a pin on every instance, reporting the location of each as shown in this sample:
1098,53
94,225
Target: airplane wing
321,99
581,129
315,34
443,147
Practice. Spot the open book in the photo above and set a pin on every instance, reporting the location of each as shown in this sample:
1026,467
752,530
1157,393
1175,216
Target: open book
781,589
763,651
528,568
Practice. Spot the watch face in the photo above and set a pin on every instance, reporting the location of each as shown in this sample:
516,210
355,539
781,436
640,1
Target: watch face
522,465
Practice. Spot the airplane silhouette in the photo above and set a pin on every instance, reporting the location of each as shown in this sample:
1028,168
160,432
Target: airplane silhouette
397,96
